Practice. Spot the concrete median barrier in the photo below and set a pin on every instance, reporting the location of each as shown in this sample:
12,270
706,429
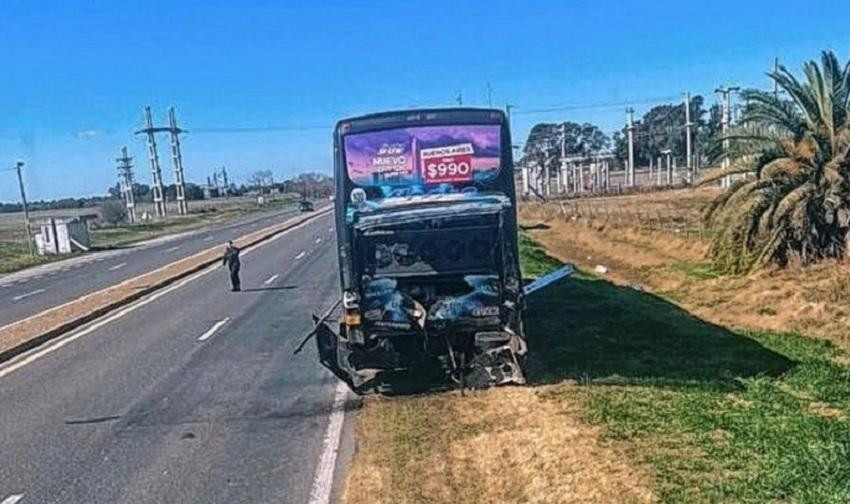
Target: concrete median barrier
22,335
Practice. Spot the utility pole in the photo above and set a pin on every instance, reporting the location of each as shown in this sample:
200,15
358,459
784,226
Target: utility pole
459,99
562,176
508,108
489,95
125,175
156,172
688,126
726,93
18,166
630,175
177,163
668,154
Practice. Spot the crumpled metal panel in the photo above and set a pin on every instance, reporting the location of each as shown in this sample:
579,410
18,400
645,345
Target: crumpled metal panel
483,301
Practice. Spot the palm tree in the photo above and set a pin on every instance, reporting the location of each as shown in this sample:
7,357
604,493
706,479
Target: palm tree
792,199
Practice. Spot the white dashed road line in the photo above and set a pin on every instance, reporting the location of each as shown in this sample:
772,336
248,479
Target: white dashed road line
301,254
12,499
323,480
28,358
318,240
117,266
208,238
172,249
24,296
271,279
37,354
213,329
330,230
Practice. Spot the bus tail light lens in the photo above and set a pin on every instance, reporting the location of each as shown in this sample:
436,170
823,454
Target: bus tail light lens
352,319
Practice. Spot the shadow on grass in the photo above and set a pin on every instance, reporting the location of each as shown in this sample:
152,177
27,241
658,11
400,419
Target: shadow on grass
535,226
588,329
583,328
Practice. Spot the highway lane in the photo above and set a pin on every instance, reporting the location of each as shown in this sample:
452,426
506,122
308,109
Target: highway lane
192,397
29,292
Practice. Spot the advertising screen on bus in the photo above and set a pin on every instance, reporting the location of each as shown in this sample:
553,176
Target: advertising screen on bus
424,159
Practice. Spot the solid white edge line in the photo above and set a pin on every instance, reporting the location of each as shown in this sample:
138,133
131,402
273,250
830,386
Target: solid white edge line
320,493
12,499
24,296
117,266
27,358
213,329
301,254
271,279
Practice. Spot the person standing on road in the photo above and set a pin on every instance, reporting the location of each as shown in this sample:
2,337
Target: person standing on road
231,260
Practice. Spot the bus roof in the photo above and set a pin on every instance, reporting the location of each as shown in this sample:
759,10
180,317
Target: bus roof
420,117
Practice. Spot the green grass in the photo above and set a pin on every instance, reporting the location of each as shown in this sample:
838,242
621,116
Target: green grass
16,256
719,415
535,260
127,234
696,270
123,235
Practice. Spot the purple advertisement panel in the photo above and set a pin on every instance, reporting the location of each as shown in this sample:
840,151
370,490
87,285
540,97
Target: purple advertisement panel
425,155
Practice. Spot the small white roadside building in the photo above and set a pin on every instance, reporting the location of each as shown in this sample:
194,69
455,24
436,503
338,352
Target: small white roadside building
62,235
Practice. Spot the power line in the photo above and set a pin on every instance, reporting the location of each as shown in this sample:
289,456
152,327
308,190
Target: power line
560,108
261,129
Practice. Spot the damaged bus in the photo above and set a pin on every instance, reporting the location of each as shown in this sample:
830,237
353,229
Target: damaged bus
426,229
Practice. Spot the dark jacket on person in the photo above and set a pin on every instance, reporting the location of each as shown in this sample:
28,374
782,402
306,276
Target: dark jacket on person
231,258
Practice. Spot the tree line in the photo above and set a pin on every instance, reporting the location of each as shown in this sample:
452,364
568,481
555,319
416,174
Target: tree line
311,184
662,127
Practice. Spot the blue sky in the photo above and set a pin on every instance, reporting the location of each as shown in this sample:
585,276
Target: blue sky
75,75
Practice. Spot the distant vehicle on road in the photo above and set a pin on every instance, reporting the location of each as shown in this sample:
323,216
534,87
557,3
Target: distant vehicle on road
427,245
305,206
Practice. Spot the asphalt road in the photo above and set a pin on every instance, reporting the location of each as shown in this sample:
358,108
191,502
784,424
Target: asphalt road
31,291
189,395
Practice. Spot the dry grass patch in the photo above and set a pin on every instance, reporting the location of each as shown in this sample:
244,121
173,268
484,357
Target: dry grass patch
811,300
494,446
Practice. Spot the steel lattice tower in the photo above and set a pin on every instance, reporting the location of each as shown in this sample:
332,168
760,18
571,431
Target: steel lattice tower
177,163
125,175
156,172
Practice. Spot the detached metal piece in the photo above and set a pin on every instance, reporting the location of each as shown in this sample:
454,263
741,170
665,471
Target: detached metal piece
549,278
317,323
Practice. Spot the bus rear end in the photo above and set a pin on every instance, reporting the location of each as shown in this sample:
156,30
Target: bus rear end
427,237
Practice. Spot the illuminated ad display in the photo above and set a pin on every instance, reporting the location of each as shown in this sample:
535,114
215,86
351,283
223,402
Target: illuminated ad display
426,155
